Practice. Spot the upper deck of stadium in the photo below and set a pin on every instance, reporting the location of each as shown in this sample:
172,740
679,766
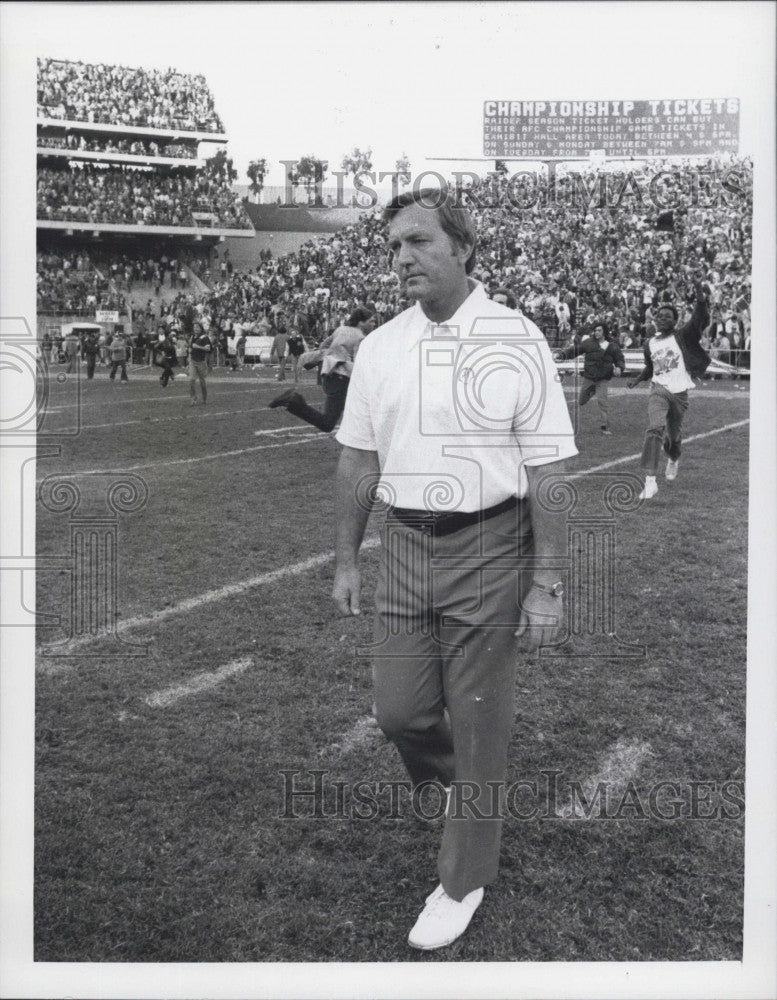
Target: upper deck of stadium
119,153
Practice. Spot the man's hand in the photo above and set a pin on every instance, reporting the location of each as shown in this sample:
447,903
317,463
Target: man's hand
616,371
541,620
346,590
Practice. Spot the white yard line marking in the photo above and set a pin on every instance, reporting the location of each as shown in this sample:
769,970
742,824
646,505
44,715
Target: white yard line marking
135,400
634,457
197,683
233,589
229,590
167,420
283,430
166,463
619,766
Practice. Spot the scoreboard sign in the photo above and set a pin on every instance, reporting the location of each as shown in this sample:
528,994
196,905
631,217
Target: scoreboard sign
539,130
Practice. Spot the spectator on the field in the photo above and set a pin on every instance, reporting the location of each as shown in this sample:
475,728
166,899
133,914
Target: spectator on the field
279,345
45,345
72,350
338,355
164,356
602,358
181,346
90,350
200,349
118,350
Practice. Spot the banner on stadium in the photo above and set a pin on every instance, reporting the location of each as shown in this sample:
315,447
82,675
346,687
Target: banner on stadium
107,316
539,130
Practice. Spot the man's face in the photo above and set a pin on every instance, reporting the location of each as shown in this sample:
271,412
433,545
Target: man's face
665,320
428,262
599,332
500,298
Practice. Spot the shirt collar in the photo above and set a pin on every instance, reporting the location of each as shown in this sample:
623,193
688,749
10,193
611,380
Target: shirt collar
469,310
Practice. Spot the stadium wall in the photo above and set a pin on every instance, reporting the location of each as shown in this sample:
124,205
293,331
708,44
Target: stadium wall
301,219
245,253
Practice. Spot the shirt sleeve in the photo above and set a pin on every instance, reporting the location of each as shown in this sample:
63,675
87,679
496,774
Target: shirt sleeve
356,428
543,427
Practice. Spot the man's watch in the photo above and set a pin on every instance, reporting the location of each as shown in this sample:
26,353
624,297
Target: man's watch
555,589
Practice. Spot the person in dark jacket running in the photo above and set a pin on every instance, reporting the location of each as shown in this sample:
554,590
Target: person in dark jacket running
339,353
602,359
164,356
673,358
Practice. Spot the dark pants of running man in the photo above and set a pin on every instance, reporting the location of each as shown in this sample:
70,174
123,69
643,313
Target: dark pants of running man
167,371
665,427
91,360
335,390
446,612
597,390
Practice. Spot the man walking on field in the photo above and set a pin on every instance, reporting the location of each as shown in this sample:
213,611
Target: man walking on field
672,359
469,575
199,352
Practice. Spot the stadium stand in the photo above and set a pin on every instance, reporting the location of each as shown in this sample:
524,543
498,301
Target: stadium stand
614,263
121,184
608,242
120,95
92,193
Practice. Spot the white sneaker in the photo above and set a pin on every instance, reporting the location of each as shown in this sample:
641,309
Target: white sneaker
443,920
671,468
650,488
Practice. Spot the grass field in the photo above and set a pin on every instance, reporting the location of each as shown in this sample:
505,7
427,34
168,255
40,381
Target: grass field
159,786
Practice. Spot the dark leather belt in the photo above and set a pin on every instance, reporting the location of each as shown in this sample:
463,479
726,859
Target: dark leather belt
444,522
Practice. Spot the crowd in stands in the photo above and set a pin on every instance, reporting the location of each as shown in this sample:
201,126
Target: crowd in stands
120,95
155,268
565,263
91,193
137,147
69,283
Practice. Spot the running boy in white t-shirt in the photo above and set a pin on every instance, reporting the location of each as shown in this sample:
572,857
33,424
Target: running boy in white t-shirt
672,358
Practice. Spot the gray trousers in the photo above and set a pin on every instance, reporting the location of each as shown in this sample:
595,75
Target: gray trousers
665,426
447,608
597,391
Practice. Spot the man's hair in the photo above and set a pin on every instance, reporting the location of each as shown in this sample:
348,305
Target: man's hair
602,324
510,301
359,315
669,306
455,221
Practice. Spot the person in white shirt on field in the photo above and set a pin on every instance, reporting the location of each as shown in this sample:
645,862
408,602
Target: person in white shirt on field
463,499
672,358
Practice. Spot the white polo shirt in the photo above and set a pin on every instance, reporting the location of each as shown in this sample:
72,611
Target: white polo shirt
456,410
